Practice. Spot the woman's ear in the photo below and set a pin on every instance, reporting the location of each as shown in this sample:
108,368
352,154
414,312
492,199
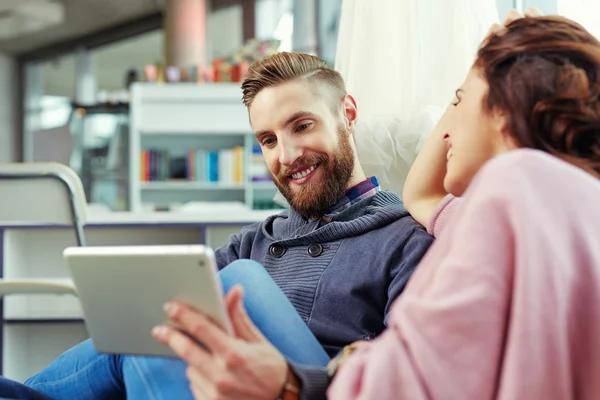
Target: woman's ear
501,124
500,121
350,111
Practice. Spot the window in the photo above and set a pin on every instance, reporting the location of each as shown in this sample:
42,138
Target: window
275,20
505,6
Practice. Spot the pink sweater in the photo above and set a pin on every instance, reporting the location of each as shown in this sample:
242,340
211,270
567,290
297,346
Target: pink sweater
506,303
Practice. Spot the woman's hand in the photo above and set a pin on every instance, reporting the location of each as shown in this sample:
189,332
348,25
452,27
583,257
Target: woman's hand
245,366
512,15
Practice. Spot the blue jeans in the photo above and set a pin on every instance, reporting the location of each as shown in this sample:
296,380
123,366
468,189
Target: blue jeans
82,373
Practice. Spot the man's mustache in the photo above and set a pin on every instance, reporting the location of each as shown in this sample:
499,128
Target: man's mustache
285,174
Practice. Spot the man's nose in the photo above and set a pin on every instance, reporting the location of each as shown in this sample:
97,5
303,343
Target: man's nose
290,151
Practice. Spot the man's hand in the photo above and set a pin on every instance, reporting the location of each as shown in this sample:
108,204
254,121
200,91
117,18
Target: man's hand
246,366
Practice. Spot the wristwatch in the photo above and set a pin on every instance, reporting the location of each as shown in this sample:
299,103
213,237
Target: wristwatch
334,365
291,388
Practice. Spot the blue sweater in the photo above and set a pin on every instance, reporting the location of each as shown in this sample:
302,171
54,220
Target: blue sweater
341,276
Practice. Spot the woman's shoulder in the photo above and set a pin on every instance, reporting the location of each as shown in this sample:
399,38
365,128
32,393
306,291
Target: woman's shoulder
518,182
527,167
525,160
526,179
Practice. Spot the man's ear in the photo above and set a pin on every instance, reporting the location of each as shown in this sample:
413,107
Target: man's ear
350,111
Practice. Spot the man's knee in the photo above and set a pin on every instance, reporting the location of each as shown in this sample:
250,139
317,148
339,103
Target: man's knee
244,272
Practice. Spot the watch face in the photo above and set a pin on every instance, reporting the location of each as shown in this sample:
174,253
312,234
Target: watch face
334,364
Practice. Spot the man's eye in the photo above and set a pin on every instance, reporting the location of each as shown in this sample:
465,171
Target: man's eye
268,142
302,127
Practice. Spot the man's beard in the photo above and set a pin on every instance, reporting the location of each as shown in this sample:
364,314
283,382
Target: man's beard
315,197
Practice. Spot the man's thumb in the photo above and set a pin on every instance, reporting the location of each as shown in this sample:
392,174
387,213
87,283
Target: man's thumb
242,325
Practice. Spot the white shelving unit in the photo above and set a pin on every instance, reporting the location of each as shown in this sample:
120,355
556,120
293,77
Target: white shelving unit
177,117
181,185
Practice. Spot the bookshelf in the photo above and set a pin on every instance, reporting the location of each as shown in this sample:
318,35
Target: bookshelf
191,142
37,328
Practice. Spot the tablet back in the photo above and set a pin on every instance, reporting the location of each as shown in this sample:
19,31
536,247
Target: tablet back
122,290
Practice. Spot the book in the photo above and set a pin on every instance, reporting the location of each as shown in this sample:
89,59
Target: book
225,166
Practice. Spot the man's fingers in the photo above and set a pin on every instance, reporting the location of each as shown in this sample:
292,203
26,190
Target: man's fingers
231,298
200,386
244,327
198,395
184,347
198,326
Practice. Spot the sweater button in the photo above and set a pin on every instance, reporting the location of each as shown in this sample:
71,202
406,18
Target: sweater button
315,250
277,250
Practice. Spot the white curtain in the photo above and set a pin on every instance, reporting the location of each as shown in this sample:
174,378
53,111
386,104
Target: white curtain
585,12
403,60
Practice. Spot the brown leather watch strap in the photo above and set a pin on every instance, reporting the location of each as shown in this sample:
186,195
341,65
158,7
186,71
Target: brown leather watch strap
291,388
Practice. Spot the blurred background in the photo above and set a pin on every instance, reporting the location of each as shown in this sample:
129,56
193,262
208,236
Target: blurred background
142,99
67,68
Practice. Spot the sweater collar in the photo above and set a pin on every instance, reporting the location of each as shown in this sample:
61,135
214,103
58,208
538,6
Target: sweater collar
364,189
356,193
362,216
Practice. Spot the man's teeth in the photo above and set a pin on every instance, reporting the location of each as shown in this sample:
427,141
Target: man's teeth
303,173
449,154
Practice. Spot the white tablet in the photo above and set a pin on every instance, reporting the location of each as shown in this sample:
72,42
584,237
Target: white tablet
122,290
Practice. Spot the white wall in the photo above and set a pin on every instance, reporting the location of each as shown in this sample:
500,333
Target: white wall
9,136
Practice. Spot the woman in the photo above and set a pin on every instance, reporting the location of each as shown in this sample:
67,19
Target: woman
506,304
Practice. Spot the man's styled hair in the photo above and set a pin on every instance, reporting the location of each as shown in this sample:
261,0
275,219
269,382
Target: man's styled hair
285,67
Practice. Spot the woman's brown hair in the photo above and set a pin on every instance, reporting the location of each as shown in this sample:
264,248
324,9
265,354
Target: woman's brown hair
544,74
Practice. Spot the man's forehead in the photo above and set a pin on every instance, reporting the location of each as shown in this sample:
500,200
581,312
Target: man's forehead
289,93
275,105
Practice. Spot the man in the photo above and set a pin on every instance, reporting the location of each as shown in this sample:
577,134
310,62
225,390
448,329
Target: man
341,254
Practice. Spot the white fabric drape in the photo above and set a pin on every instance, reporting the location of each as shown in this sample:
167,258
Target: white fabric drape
403,60
585,12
